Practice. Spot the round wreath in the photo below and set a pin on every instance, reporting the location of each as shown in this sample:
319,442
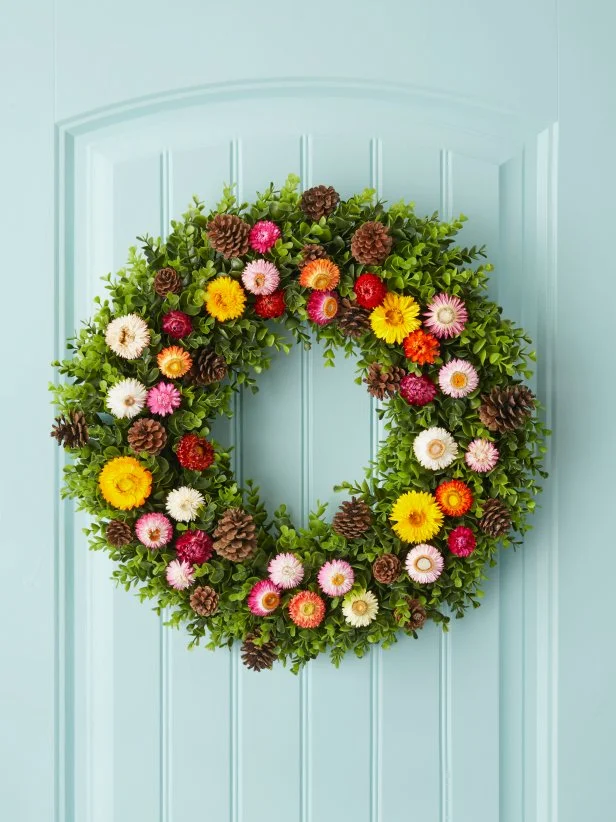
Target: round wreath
189,323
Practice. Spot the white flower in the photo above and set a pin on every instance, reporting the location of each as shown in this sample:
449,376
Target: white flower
360,608
435,448
180,575
183,503
285,570
126,398
127,336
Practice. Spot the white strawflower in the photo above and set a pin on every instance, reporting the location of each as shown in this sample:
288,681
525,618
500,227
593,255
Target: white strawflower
183,503
126,398
127,336
360,608
435,448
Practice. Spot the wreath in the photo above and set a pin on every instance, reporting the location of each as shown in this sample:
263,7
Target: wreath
195,319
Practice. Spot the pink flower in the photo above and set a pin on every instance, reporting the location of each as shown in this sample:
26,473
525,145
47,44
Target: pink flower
424,564
481,455
260,277
417,390
336,577
263,235
264,597
461,541
195,547
458,378
163,399
177,324
153,530
446,316
322,306
180,575
285,570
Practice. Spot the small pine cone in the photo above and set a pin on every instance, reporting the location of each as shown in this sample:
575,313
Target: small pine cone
496,519
386,569
310,253
506,409
118,533
418,614
167,281
352,519
257,657
71,431
207,367
319,201
204,601
371,243
383,382
235,537
353,320
147,435
229,235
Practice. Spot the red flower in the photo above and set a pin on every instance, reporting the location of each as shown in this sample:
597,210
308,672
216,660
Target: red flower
270,306
417,390
370,290
177,324
421,347
195,453
194,547
461,541
307,609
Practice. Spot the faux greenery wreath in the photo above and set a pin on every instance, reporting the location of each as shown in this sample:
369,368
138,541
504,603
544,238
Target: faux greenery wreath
197,318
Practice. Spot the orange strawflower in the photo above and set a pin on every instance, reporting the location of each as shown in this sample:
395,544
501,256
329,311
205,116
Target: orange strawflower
307,609
322,275
174,362
421,347
454,498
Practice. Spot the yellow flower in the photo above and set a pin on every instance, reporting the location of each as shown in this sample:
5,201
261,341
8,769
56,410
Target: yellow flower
225,299
174,362
416,516
395,318
125,483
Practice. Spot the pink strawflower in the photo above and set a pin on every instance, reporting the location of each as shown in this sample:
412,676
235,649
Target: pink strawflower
263,235
481,455
424,564
195,547
153,530
336,578
446,316
180,574
458,378
163,399
260,277
285,570
177,324
322,306
461,541
264,597
417,390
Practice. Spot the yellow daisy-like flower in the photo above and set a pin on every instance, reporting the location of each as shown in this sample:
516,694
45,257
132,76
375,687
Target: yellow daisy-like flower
174,362
416,516
225,299
395,318
125,483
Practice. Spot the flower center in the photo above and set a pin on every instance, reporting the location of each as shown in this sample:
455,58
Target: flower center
423,564
445,315
128,401
154,534
459,380
175,366
417,518
270,600
259,279
436,449
307,608
359,607
394,316
337,579
453,499
330,307
320,281
125,484
126,336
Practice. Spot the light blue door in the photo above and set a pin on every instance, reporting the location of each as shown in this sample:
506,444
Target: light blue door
115,114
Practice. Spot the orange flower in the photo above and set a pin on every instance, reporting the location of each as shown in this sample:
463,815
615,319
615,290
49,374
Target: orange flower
421,347
454,497
322,275
174,362
307,609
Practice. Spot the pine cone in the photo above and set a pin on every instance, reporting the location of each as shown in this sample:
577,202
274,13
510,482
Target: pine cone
353,320
207,367
71,431
204,601
257,657
418,614
386,569
496,519
235,537
352,519
147,435
229,235
310,253
118,533
383,382
319,201
167,281
371,243
505,409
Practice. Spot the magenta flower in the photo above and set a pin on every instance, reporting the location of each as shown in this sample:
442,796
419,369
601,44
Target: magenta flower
195,547
180,575
163,399
336,577
446,316
177,324
154,530
264,597
461,541
322,306
263,235
417,390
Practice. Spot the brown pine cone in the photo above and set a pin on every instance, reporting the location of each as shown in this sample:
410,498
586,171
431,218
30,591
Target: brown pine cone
310,253
71,431
353,320
319,201
386,569
235,537
371,243
383,382
147,435
118,533
257,657
207,367
167,281
506,409
418,614
496,519
229,235
352,519
204,601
